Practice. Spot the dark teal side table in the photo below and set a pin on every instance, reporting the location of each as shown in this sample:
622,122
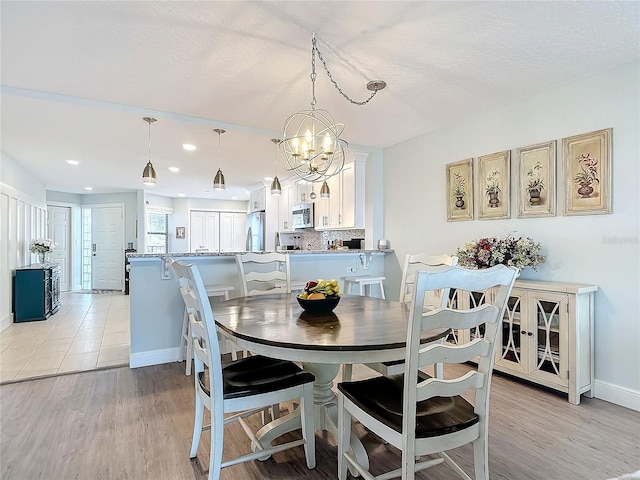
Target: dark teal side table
36,292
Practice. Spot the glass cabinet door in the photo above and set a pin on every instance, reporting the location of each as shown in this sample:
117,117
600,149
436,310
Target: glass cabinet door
549,326
513,336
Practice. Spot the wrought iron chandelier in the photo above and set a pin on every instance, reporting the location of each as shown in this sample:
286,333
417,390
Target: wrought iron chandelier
311,140
149,173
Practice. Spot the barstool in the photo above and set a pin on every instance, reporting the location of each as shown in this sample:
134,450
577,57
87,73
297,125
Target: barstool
364,283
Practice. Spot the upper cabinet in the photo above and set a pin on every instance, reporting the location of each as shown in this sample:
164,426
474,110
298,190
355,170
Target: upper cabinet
344,209
258,199
287,200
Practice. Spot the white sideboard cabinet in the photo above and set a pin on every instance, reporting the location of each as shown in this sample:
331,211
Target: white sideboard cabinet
546,335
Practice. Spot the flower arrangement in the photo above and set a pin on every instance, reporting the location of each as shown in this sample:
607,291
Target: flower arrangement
493,183
514,251
41,245
458,188
589,170
535,182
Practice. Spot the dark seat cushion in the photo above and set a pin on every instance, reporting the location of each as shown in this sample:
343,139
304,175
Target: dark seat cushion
257,374
381,397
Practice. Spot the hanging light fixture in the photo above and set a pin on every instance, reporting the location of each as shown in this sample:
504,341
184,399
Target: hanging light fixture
218,180
276,188
311,140
324,190
149,173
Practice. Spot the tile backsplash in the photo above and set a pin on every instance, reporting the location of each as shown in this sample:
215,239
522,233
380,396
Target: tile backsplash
318,240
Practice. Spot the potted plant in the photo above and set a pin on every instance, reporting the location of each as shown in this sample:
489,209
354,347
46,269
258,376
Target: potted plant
514,251
536,185
458,190
587,175
492,188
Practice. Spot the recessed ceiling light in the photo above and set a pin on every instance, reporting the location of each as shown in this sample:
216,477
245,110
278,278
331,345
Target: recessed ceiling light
268,179
73,162
88,188
188,147
234,198
181,194
174,169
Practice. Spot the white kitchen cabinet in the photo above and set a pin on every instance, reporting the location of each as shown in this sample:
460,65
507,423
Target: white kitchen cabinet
546,335
303,190
233,231
204,231
257,199
287,200
344,209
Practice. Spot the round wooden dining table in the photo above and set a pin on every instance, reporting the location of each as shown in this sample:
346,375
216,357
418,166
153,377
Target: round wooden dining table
359,330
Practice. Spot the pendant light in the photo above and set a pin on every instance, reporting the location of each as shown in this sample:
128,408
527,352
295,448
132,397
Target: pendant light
276,188
324,190
149,173
311,141
218,180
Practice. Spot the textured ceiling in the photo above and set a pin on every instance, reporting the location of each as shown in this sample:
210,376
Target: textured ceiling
77,77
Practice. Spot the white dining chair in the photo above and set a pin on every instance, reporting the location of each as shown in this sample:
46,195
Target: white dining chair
264,273
424,416
440,298
240,388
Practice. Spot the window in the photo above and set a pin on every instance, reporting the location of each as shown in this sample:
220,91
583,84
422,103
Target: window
157,232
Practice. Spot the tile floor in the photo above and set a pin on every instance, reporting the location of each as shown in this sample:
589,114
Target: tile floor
89,331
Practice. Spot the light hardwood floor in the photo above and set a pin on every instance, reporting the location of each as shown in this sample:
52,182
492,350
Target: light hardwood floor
89,331
136,424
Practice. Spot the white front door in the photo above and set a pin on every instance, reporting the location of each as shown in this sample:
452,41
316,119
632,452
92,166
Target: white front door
59,230
107,244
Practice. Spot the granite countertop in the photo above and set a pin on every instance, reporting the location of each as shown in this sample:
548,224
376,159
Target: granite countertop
233,254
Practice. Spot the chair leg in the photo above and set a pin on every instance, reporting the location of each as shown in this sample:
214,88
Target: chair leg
189,356
481,458
184,339
347,372
382,291
344,436
217,439
198,421
308,427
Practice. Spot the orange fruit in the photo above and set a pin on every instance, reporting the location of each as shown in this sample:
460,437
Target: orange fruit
316,296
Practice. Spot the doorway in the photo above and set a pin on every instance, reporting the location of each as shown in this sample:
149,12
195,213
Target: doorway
59,230
103,247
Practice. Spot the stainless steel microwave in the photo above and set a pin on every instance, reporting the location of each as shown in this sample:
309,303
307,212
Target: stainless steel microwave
302,216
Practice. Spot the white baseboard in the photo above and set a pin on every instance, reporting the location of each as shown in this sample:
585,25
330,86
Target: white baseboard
154,357
622,396
6,321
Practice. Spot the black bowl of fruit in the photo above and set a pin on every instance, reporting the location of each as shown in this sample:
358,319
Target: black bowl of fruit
320,296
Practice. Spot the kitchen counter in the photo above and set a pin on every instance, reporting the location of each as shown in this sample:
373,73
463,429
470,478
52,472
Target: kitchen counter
156,307
233,254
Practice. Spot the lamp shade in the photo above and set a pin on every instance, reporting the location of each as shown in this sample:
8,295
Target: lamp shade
324,190
149,175
218,181
276,189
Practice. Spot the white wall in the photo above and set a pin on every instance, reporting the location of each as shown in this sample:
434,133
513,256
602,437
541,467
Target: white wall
23,216
593,249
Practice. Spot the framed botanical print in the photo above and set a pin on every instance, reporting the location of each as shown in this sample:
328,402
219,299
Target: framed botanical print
537,180
587,173
493,185
459,190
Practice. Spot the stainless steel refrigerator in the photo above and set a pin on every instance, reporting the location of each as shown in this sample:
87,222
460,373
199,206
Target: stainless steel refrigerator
255,232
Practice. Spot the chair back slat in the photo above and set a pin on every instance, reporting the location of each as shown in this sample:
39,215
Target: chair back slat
459,319
436,387
421,261
268,271
444,353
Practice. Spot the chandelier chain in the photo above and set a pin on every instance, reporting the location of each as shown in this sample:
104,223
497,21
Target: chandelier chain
335,84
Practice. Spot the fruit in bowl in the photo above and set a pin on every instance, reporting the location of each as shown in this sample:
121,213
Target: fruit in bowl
320,289
320,296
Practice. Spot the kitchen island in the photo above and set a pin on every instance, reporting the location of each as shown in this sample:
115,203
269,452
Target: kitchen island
156,308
